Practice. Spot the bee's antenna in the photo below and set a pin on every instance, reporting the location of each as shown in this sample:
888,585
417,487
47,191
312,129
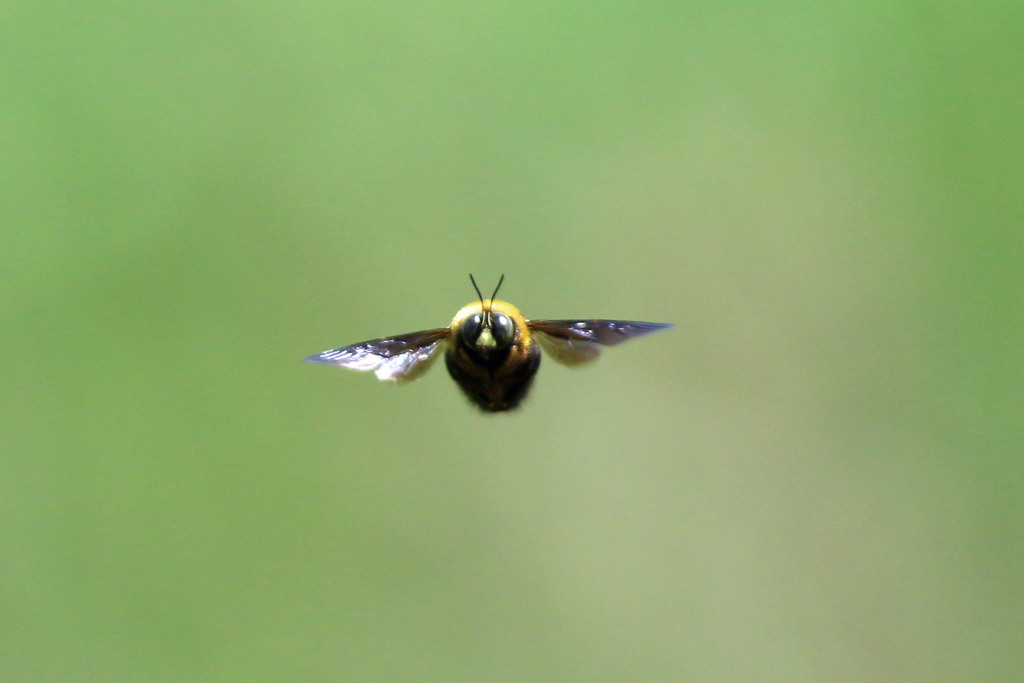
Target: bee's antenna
502,279
477,289
486,308
483,307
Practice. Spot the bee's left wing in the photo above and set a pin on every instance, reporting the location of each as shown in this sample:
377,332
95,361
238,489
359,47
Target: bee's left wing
394,359
571,342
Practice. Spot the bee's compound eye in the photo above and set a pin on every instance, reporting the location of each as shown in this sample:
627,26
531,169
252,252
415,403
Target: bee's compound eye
503,329
471,328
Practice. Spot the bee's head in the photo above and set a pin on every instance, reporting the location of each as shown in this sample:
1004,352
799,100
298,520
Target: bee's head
487,331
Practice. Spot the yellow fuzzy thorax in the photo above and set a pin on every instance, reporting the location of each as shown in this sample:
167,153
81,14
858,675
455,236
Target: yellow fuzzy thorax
496,306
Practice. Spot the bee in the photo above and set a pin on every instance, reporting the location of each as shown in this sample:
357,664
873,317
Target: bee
491,351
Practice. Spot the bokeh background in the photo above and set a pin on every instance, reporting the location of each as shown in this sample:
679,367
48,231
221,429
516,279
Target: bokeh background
816,476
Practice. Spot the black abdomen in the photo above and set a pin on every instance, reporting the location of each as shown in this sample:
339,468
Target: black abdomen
494,387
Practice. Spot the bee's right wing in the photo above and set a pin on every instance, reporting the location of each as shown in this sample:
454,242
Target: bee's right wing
572,342
393,359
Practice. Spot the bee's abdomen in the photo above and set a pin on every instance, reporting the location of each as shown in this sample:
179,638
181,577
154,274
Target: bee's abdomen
494,388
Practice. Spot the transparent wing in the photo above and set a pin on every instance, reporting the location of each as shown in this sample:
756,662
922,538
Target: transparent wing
571,342
392,359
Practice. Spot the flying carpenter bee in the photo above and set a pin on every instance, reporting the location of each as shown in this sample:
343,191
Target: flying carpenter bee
491,351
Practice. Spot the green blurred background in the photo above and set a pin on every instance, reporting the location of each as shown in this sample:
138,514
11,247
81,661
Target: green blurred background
816,476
